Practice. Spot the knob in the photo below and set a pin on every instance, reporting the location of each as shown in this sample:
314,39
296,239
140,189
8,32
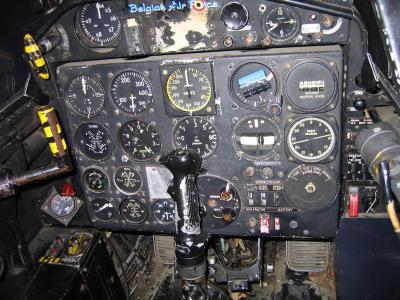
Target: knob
359,104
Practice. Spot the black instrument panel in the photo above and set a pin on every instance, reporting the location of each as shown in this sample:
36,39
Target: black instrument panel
113,29
272,159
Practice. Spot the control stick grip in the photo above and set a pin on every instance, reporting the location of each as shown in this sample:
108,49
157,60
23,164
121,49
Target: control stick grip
189,239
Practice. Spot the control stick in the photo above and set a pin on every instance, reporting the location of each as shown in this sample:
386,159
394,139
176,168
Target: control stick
189,240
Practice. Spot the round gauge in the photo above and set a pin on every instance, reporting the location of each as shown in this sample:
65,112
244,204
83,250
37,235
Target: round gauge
220,201
256,137
102,209
131,92
189,89
95,179
235,15
133,211
62,206
140,140
93,141
164,211
311,187
281,23
196,134
99,23
311,139
85,96
128,180
253,84
311,86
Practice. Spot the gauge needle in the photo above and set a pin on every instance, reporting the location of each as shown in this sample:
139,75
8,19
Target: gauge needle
98,10
273,26
133,104
187,79
104,207
316,138
84,89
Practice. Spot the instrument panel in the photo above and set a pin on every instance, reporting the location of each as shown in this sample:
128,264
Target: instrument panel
268,132
112,29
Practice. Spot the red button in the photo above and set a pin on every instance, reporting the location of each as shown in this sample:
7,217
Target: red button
68,190
353,202
264,223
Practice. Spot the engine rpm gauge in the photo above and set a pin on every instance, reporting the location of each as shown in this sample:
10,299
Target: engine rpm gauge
189,89
253,84
140,140
256,137
93,141
128,180
133,211
95,179
85,96
311,139
164,211
131,92
196,134
281,23
99,23
102,209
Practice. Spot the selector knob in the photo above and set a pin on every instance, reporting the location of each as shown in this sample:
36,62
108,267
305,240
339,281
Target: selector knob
235,15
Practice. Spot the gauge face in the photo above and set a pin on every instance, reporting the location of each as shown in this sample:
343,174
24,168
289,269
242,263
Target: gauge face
253,84
140,140
196,134
102,210
85,96
93,141
311,86
311,187
164,211
311,139
281,23
127,180
256,137
220,201
99,23
96,180
133,211
131,92
235,15
189,89
62,206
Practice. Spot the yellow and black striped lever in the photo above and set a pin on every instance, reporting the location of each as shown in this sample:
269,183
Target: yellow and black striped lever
9,183
34,57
